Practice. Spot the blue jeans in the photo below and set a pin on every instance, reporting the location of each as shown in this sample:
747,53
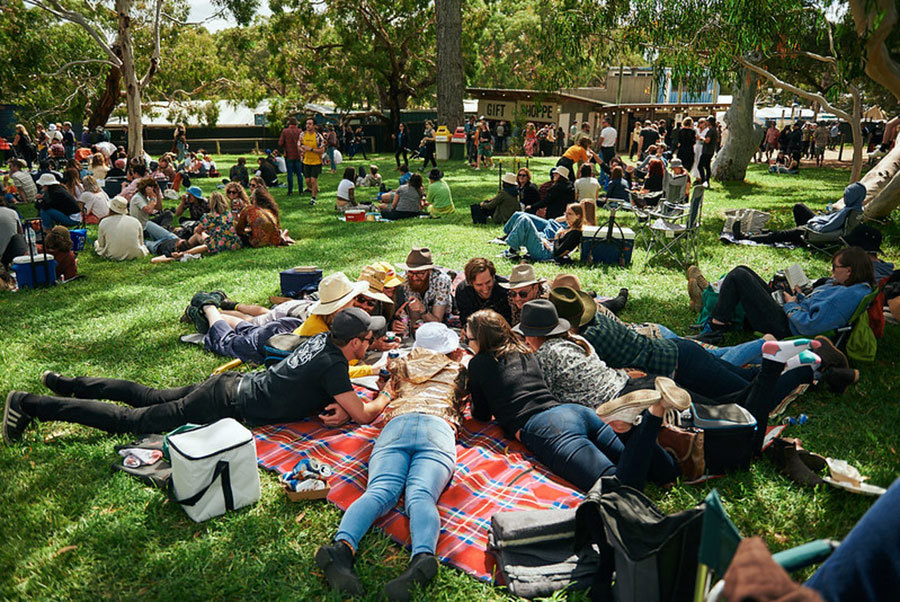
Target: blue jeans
530,231
866,566
736,355
573,442
416,452
330,152
294,167
155,234
52,217
246,341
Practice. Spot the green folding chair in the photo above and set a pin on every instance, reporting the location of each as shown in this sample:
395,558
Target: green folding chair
719,540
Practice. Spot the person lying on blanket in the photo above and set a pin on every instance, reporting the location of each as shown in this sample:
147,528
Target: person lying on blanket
415,454
312,381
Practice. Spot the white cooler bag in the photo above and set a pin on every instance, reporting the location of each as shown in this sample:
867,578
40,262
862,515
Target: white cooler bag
214,469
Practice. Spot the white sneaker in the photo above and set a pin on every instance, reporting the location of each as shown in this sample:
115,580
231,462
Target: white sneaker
628,407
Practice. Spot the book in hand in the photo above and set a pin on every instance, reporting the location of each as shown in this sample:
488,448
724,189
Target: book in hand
796,278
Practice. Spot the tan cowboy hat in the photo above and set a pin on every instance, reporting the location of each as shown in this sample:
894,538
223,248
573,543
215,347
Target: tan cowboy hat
376,279
509,178
522,275
563,171
335,291
570,280
118,204
418,260
575,306
393,278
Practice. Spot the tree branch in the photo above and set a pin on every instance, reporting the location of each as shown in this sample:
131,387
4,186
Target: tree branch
58,11
811,96
177,21
82,62
154,58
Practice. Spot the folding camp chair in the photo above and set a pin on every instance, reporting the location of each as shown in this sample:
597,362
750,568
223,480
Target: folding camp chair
719,541
674,230
674,188
826,242
112,186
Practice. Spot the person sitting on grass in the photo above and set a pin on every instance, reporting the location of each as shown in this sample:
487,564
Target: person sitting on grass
371,179
438,200
99,167
312,381
428,290
267,172
502,206
618,188
825,307
119,235
545,240
414,455
346,190
94,200
58,243
405,202
783,165
215,232
56,205
194,203
237,196
560,194
238,173
587,186
26,190
259,224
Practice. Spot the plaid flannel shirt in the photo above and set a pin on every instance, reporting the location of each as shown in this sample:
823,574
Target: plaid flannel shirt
621,347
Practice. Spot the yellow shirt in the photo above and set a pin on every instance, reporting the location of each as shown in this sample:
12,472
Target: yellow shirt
315,324
310,140
576,153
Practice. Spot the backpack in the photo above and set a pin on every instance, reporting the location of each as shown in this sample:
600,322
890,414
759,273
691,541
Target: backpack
861,344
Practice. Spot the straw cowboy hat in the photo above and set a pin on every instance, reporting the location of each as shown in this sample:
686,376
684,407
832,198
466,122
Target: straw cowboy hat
376,279
522,275
509,178
418,260
562,171
393,278
575,306
335,291
539,319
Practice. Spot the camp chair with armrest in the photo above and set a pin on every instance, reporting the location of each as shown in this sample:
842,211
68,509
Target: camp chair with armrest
829,241
673,232
112,186
675,187
719,540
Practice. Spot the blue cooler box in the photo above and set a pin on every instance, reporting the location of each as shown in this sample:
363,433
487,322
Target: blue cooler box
596,249
299,280
79,239
42,270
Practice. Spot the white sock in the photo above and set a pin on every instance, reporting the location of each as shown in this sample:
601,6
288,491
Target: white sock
782,351
804,358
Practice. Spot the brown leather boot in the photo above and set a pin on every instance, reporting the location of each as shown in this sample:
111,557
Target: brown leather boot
687,448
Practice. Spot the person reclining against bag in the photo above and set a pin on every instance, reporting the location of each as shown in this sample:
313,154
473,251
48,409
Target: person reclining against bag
507,384
56,204
574,373
501,207
828,306
312,381
854,195
414,455
405,202
685,362
545,240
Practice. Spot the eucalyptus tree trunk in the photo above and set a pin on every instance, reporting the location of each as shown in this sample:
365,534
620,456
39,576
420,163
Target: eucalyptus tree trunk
882,184
742,141
131,81
450,77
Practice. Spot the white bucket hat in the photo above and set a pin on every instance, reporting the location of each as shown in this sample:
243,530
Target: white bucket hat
47,179
563,171
335,291
436,337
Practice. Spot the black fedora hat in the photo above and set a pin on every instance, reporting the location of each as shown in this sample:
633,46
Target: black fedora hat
575,306
539,319
435,174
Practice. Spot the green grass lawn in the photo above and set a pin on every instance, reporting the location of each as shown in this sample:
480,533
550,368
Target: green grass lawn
71,529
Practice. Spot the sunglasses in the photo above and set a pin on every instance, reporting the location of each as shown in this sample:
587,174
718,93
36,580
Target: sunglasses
366,301
232,192
519,293
835,266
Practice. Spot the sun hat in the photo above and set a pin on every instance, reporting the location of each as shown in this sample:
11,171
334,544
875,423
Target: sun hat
675,162
335,291
435,174
393,278
865,237
509,178
563,171
118,204
575,306
353,322
436,337
376,279
419,259
170,195
570,280
522,275
195,191
47,179
539,319
18,163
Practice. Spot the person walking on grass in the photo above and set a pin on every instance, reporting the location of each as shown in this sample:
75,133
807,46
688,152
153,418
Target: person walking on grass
290,143
312,146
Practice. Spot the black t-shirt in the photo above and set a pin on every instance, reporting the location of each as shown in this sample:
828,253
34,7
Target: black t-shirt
167,247
115,172
567,242
268,174
57,197
297,387
468,301
686,139
650,137
511,389
529,195
561,193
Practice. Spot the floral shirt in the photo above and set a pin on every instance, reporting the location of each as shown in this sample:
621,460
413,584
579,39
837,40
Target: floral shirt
221,233
264,230
574,377
438,293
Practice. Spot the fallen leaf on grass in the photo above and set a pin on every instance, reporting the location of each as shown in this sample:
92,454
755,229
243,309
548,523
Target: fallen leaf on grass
63,550
780,538
300,517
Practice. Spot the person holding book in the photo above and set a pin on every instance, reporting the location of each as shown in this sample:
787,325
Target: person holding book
827,306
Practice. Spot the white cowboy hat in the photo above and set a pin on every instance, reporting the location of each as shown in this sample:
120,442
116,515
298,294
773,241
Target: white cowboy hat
522,275
563,171
47,179
509,178
335,291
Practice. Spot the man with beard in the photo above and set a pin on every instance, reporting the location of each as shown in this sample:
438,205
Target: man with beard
427,289
523,287
483,289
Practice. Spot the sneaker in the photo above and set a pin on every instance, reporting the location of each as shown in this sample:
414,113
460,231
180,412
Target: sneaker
422,568
15,420
312,201
186,316
224,301
832,357
199,319
336,560
55,382
675,399
628,407
200,299
840,379
510,254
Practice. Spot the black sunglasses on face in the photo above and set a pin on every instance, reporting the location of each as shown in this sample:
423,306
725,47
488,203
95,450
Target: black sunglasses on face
515,293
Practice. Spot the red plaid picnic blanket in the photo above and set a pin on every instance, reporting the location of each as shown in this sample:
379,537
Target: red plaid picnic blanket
493,474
